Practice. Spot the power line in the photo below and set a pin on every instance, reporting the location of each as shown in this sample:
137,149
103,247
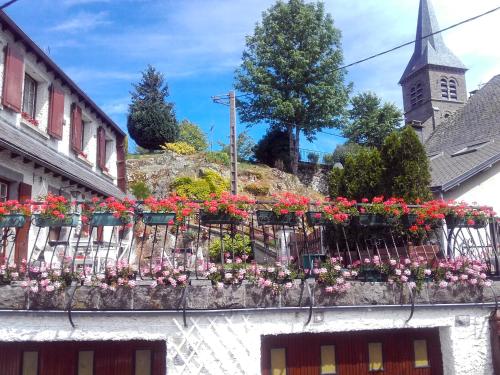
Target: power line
417,40
8,3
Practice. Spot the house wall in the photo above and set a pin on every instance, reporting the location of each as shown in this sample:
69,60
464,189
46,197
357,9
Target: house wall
230,342
45,79
481,189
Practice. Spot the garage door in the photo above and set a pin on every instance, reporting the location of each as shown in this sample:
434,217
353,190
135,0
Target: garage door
88,358
394,352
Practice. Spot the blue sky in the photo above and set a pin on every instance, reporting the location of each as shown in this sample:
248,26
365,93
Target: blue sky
104,44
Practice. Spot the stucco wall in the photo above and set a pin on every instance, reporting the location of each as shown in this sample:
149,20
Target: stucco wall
229,342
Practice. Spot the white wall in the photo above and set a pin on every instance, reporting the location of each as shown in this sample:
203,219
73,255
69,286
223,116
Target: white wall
229,343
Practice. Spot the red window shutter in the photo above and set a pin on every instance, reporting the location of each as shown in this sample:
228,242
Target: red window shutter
76,128
56,112
12,96
120,163
101,148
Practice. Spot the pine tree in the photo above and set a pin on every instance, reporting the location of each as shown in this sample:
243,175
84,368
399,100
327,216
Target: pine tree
406,172
362,177
151,120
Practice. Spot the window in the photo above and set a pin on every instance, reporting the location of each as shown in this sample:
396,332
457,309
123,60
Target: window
420,350
29,96
449,88
4,191
278,361
30,363
143,362
86,362
416,95
328,362
375,358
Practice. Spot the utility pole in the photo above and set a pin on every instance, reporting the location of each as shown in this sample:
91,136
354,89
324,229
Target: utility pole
233,145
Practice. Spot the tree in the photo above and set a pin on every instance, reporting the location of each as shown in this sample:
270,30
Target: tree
192,134
151,119
289,73
273,147
246,147
340,153
362,176
406,166
370,121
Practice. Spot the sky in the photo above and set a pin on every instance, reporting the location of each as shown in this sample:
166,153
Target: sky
103,45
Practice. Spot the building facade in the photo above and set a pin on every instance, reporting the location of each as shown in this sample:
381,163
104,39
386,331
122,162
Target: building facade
53,137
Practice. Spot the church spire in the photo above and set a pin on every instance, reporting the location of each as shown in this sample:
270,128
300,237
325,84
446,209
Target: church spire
429,50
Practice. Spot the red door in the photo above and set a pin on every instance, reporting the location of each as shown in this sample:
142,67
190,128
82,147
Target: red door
392,352
87,358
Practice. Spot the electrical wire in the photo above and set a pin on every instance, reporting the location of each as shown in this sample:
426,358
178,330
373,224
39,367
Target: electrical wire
8,3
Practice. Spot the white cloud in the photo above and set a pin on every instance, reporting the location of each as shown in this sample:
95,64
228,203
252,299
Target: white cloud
70,3
116,107
83,21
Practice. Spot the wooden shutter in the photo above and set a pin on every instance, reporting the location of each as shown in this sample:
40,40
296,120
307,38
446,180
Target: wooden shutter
22,235
101,148
12,96
56,112
76,128
120,163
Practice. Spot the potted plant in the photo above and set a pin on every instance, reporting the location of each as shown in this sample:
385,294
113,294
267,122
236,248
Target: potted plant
339,211
13,214
332,276
110,212
55,211
159,212
227,209
380,213
164,275
286,211
369,269
462,215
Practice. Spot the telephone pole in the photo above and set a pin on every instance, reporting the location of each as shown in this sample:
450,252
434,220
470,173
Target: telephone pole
233,146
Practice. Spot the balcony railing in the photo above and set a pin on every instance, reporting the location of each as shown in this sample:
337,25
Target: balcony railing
159,248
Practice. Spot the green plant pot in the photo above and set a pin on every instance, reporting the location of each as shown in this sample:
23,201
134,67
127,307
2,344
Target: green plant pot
71,220
371,220
106,219
312,220
12,221
453,221
371,275
409,220
309,259
265,217
217,218
158,218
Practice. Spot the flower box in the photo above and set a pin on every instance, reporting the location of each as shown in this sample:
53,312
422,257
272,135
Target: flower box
371,275
265,217
158,218
70,220
409,220
371,220
218,218
316,218
453,221
12,221
106,219
308,260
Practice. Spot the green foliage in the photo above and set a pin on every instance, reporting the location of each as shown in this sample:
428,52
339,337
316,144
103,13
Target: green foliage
200,188
181,148
246,146
151,119
141,150
340,153
336,186
193,135
406,166
290,72
239,245
272,147
140,190
363,172
370,121
218,157
257,188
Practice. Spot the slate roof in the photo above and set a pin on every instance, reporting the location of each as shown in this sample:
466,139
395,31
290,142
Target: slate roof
469,141
431,50
27,146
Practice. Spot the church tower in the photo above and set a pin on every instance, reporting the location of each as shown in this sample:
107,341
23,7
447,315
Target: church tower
434,80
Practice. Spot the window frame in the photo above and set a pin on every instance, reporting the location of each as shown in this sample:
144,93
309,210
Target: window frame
382,359
416,94
32,101
7,188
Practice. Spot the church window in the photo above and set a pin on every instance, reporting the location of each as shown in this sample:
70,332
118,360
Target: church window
416,95
444,88
449,88
453,89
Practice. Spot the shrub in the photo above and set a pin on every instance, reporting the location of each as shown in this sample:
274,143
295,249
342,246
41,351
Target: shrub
336,182
140,189
257,188
181,148
192,135
218,157
239,245
363,174
210,182
313,158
